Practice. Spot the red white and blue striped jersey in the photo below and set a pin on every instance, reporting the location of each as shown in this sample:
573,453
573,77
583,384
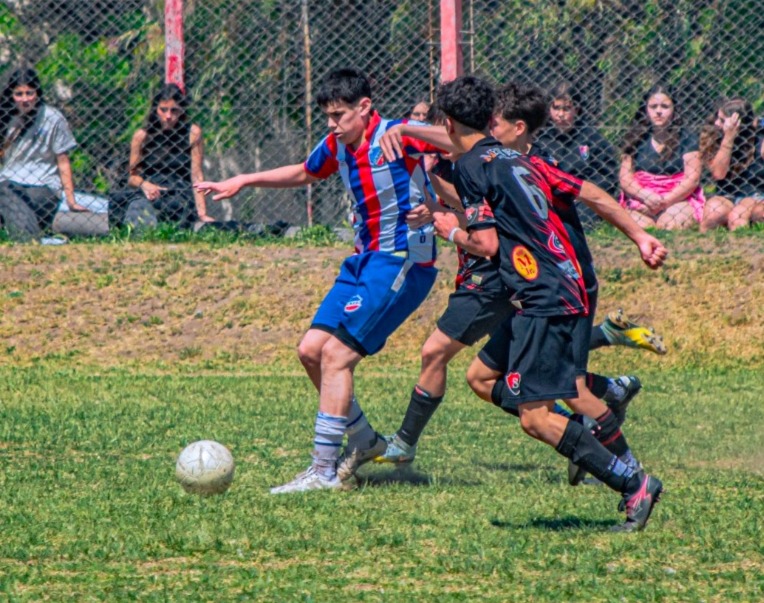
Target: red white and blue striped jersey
383,192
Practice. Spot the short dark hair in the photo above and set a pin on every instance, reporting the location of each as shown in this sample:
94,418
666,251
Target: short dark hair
523,101
347,85
565,90
468,100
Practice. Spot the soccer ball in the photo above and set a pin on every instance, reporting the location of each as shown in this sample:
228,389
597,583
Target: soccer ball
205,467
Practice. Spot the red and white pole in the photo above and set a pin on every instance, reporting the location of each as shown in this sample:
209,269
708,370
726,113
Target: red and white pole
174,47
451,60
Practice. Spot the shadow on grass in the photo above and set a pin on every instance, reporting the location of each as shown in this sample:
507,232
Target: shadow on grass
557,524
398,475
406,474
554,474
516,467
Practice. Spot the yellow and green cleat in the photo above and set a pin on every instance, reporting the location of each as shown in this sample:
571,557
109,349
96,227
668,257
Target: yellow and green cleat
619,330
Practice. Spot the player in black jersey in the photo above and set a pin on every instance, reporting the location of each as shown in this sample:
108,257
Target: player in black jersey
520,113
540,267
475,309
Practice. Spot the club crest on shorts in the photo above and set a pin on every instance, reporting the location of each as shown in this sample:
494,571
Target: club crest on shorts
354,303
583,150
513,383
525,264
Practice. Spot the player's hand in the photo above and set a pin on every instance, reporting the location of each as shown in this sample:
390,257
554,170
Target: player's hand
652,251
205,218
731,124
74,206
151,191
419,216
222,190
391,143
444,222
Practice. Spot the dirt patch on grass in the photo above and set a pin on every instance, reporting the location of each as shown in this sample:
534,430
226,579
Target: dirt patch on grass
205,308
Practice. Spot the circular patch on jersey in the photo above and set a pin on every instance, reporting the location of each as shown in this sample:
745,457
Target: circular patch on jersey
525,263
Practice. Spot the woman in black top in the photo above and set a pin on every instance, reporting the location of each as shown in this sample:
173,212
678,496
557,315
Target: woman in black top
165,161
660,166
577,146
734,156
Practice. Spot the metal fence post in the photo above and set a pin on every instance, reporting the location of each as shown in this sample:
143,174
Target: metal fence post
451,60
174,46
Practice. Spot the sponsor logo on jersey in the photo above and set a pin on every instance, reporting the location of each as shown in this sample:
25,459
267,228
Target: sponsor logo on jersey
583,150
569,269
513,383
354,303
498,153
525,264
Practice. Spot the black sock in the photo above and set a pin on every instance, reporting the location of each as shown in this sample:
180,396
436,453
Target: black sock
421,407
609,434
581,447
597,339
597,384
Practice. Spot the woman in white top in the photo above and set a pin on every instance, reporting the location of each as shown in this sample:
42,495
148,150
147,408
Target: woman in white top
36,141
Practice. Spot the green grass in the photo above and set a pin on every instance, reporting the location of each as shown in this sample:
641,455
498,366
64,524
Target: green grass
90,512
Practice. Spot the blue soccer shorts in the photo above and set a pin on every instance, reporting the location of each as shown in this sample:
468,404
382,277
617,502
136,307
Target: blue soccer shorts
374,293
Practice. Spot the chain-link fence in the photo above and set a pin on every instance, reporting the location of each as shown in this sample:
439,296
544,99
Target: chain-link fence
251,68
599,61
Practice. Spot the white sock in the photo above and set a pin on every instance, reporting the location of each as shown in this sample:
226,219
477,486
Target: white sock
360,432
327,442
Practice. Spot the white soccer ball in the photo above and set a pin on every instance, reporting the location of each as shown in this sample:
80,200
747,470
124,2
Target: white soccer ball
205,467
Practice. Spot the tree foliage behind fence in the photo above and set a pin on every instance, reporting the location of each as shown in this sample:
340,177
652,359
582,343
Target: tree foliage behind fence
251,66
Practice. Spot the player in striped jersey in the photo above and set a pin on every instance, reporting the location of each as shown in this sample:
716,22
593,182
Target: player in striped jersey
377,288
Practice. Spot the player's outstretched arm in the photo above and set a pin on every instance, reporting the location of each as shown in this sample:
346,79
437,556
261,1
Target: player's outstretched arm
287,176
391,142
651,249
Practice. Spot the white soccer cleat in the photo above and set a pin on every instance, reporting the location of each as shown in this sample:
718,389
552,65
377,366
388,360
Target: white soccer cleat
309,480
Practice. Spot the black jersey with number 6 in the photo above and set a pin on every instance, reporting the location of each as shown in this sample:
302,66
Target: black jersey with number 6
538,263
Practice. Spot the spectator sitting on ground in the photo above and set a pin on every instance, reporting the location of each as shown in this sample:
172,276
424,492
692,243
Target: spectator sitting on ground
735,159
578,147
165,161
660,166
36,141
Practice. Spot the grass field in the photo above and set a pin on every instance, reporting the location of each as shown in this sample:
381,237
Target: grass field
115,357
90,511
